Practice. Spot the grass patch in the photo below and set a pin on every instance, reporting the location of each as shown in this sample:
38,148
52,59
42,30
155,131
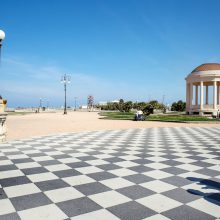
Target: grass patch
19,113
117,115
180,118
165,117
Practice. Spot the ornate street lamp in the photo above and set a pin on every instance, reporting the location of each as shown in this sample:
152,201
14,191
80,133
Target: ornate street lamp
65,79
2,37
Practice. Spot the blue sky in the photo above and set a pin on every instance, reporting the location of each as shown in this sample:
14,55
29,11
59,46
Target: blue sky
132,49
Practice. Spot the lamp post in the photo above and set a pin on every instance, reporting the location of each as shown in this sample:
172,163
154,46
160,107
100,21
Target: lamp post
2,37
75,102
65,79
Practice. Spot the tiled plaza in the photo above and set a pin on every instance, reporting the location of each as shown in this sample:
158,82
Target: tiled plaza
153,173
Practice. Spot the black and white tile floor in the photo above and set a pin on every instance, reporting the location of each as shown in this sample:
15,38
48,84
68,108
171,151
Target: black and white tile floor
154,174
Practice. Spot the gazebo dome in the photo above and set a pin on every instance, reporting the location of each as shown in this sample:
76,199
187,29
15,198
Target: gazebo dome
203,77
207,67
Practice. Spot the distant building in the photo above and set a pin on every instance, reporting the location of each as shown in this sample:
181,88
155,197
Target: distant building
115,101
103,103
203,79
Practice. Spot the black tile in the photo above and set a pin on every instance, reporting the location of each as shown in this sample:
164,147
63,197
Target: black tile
177,181
51,184
30,201
181,195
101,176
131,211
11,216
174,170
140,169
185,212
2,194
78,206
8,167
67,173
23,160
92,188
114,159
108,167
34,170
135,192
138,178
49,162
14,181
208,172
78,164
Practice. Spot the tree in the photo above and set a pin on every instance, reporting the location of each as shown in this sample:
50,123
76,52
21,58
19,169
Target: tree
179,106
127,106
149,109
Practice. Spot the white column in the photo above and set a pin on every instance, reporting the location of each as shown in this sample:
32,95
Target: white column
214,95
218,95
196,102
201,95
207,95
191,95
187,94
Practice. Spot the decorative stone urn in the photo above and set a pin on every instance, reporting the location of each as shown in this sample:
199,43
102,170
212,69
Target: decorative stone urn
3,117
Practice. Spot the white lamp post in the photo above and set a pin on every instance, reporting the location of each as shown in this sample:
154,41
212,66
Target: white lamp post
65,79
2,37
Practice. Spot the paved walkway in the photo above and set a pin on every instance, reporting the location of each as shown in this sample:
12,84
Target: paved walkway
152,173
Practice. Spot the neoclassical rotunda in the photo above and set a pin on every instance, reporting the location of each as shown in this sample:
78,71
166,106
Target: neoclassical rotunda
203,90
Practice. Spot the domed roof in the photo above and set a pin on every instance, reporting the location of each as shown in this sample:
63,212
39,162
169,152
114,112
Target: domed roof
207,67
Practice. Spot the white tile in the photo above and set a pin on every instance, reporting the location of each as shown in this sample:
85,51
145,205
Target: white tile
206,206
188,167
157,217
110,198
194,175
126,164
31,151
5,162
78,180
157,166
28,165
63,194
116,183
39,177
159,203
42,158
21,190
103,156
6,207
47,212
157,174
185,160
88,170
216,167
10,173
79,155
156,159
69,160
53,153
200,187
130,157
212,161
122,172
158,186
97,162
57,167
96,215
18,156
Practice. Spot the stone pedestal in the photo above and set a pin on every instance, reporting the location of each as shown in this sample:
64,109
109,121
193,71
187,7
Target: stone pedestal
3,129
3,117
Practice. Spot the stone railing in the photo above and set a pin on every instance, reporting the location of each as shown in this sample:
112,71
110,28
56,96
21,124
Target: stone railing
3,129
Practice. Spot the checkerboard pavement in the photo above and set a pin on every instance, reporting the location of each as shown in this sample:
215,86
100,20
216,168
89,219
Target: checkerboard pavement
152,173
